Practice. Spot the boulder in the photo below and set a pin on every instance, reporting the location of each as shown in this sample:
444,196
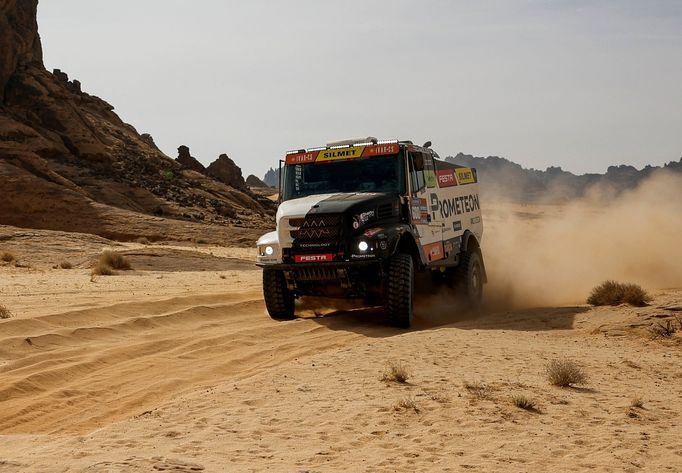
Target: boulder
227,172
253,181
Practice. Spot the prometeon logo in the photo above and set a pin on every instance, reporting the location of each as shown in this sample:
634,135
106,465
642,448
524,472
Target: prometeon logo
454,206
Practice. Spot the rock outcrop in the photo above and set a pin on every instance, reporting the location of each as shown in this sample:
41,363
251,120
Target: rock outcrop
187,161
271,177
226,171
253,181
67,160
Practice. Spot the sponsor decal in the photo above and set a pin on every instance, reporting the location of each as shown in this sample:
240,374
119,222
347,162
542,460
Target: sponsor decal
446,178
383,244
434,251
454,206
341,153
302,158
475,220
361,219
351,152
381,150
419,211
457,226
313,258
430,178
362,256
452,245
372,231
447,247
465,176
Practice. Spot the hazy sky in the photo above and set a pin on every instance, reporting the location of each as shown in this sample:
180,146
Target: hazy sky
572,83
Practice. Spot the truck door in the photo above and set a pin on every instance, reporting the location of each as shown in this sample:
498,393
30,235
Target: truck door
424,198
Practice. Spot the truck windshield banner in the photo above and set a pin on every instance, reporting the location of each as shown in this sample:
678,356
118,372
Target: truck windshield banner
338,154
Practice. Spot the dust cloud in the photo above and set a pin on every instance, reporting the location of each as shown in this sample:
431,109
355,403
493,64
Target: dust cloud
540,255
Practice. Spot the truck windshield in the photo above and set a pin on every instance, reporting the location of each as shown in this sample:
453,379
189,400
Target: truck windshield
375,174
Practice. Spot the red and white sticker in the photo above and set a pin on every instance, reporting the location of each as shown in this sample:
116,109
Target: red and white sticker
434,251
314,258
446,178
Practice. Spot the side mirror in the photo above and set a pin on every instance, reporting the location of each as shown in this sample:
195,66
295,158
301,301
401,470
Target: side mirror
418,161
427,144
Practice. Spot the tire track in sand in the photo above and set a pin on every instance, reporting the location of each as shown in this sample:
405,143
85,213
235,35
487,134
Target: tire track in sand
80,370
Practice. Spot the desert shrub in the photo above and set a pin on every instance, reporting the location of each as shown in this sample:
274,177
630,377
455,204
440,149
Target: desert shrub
4,312
406,403
565,373
102,269
524,402
143,241
478,389
614,293
65,265
7,257
396,371
114,260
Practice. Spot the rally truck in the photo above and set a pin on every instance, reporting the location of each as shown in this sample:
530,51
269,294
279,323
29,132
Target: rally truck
362,219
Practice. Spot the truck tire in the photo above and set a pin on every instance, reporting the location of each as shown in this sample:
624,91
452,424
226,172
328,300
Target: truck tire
279,301
400,290
470,278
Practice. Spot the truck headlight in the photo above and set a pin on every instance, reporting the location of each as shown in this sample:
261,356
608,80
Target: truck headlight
363,246
269,250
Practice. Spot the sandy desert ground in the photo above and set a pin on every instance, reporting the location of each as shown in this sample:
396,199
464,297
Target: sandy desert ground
175,366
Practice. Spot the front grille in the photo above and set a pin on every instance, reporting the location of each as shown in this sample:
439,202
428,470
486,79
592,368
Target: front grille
317,274
315,221
316,232
385,210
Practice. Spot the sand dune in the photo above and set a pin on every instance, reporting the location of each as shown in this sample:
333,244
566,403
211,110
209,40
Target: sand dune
175,366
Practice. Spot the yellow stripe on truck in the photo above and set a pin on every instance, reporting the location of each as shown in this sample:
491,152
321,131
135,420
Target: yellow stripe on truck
341,153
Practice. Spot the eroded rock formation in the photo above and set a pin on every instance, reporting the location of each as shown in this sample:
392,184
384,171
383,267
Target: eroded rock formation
68,162
187,161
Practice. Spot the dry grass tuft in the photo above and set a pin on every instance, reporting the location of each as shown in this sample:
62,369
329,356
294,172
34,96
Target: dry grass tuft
565,373
4,312
637,403
7,257
115,260
478,389
524,402
143,241
406,403
65,265
614,293
396,372
667,330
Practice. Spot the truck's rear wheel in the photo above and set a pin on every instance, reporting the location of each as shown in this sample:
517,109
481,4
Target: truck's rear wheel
470,278
278,298
400,289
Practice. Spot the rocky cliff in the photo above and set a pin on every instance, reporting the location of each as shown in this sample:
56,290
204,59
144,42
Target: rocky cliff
68,162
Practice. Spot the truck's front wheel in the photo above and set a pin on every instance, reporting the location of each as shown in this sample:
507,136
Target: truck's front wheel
400,289
278,298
